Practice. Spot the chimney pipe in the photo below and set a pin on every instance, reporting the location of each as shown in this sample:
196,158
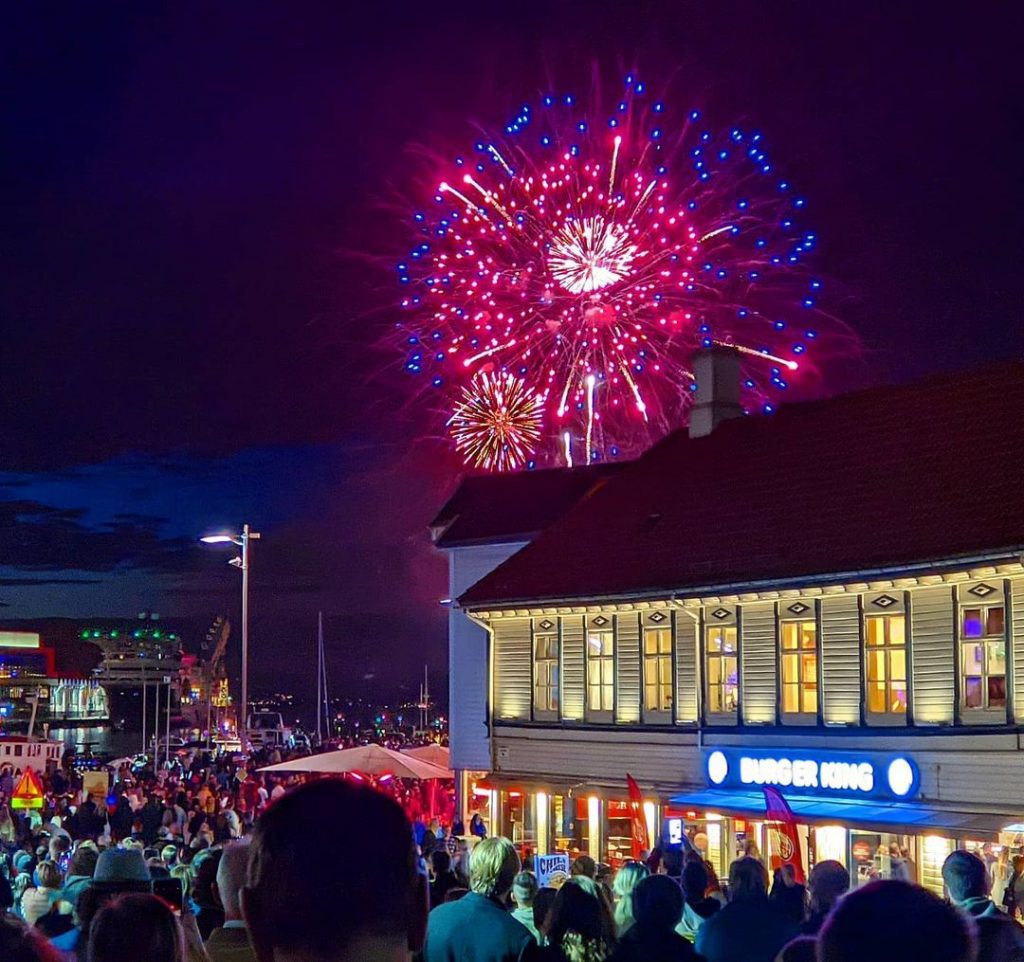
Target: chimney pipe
716,371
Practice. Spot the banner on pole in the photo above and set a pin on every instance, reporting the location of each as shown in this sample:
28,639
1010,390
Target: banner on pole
782,834
640,841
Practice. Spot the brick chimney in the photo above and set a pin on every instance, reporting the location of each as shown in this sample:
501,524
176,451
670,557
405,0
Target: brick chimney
717,373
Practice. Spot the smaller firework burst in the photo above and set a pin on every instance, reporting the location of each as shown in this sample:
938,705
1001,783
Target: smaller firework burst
497,422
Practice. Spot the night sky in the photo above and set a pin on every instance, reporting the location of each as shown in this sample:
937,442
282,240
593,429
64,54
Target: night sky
201,203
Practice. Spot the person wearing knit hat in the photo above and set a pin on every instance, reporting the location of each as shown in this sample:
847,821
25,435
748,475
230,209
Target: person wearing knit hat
23,862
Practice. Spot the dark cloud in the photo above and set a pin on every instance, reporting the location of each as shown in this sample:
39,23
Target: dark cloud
36,582
41,537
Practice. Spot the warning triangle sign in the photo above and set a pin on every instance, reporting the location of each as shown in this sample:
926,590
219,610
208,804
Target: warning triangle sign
29,793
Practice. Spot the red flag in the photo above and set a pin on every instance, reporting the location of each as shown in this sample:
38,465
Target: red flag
641,841
781,825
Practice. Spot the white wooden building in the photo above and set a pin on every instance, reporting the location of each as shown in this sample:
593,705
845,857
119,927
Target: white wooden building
829,600
486,521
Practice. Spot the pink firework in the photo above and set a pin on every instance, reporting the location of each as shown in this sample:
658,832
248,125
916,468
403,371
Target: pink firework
589,253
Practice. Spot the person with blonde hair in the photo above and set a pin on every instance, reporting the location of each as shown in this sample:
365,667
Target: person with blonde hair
1001,870
479,926
493,866
627,879
36,902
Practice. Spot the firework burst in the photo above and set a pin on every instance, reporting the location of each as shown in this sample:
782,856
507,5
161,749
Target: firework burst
497,422
586,254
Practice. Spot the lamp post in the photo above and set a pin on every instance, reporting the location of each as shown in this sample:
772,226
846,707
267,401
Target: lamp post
242,541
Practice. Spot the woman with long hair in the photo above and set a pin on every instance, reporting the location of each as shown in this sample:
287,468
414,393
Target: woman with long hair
1000,871
714,889
1014,896
580,927
622,888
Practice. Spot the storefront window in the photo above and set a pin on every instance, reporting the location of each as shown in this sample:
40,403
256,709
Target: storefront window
582,830
515,809
830,842
983,653
882,855
713,836
600,671
562,823
934,850
545,671
723,689
799,641
886,662
658,669
620,833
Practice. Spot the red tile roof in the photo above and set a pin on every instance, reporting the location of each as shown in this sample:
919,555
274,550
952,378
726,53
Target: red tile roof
498,508
878,479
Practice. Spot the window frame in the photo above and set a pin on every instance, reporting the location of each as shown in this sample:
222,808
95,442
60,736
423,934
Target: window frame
986,713
887,717
802,716
607,661
662,713
726,716
544,713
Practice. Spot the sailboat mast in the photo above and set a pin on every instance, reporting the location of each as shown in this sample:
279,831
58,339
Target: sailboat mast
323,674
319,673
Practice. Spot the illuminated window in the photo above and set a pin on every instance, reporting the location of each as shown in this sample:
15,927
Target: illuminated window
799,642
723,689
885,640
658,669
600,671
983,654
545,671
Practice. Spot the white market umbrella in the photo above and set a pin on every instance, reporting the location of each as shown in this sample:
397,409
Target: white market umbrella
365,760
432,753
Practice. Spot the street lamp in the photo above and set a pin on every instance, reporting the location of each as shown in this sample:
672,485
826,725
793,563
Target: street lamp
242,541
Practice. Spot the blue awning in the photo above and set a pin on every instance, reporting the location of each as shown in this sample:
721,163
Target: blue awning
905,816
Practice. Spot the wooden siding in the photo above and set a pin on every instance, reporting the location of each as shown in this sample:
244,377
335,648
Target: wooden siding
657,762
573,668
468,649
840,660
1016,595
513,668
687,684
627,668
951,769
757,670
933,648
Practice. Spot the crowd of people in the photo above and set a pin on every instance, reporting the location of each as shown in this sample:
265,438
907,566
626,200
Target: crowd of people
214,863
